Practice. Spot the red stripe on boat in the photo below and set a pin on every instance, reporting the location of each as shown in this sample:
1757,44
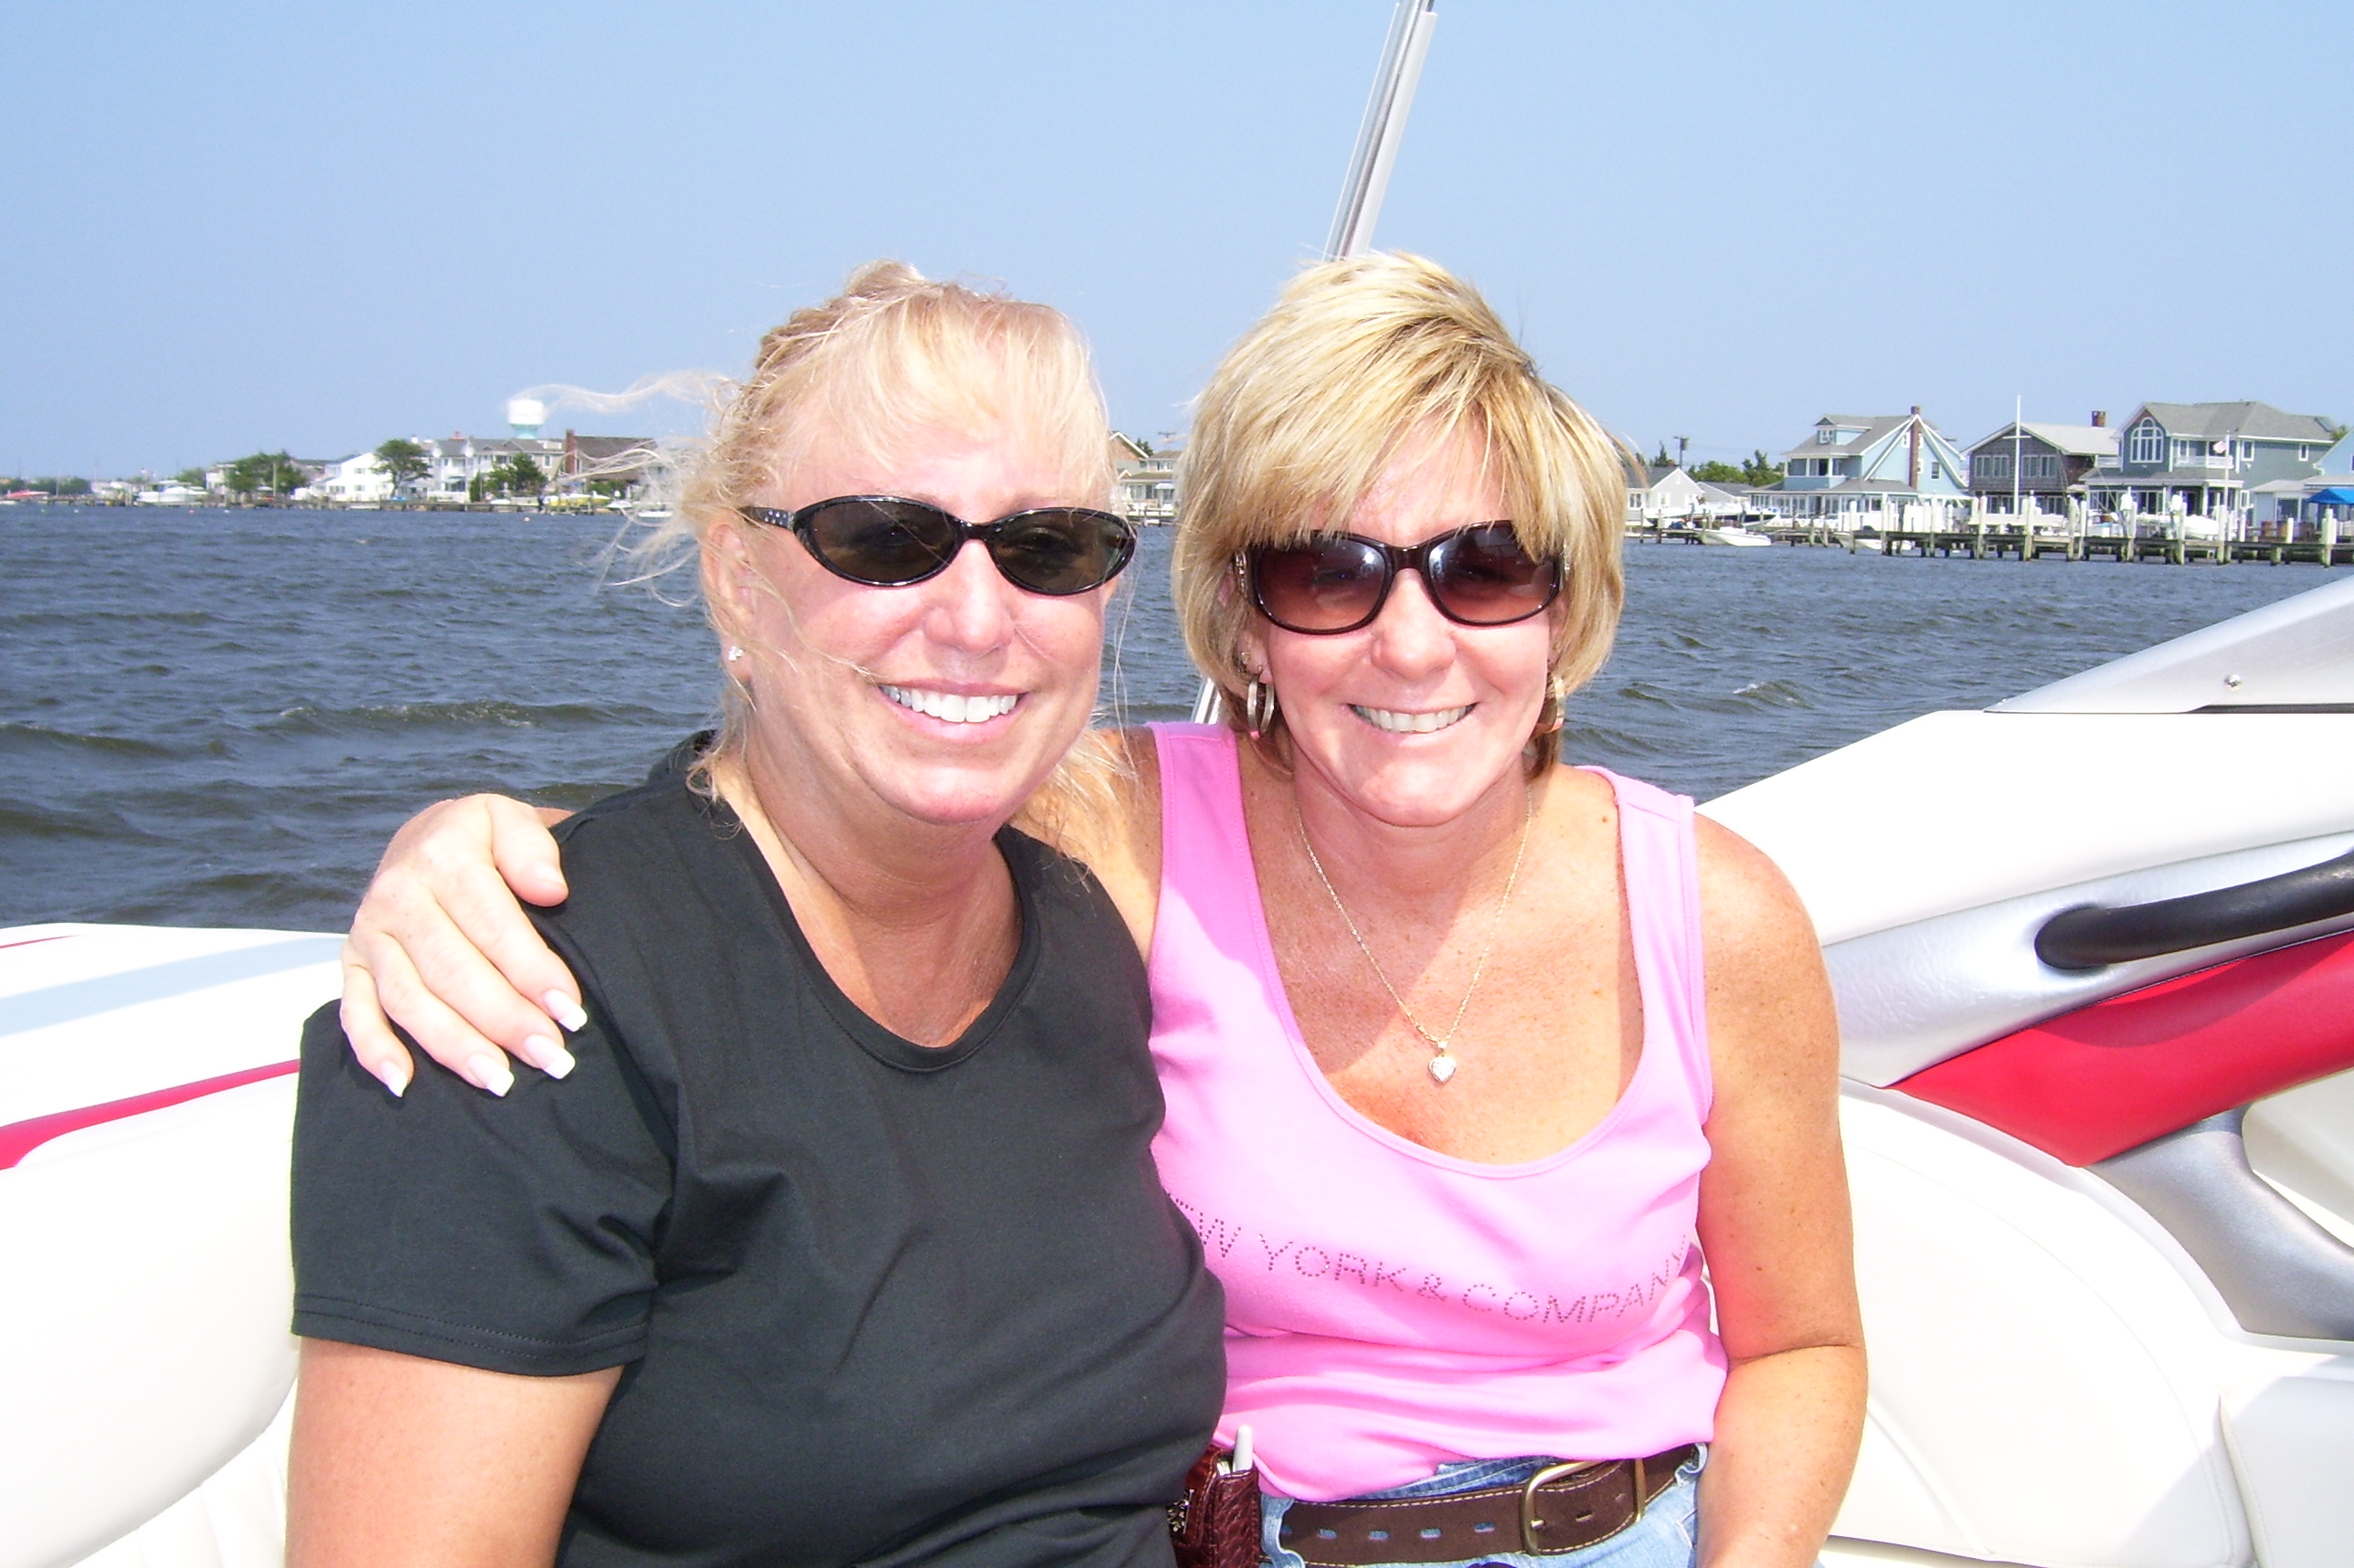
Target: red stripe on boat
2108,1078
19,1138
35,941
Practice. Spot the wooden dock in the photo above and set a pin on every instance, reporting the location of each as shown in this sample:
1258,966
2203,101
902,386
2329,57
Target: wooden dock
1992,543
2012,544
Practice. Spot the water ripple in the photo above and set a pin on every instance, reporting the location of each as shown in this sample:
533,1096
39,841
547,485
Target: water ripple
218,718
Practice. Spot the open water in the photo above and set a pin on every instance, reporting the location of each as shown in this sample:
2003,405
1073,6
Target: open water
218,717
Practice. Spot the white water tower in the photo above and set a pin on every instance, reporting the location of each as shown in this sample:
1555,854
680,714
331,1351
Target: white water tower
524,417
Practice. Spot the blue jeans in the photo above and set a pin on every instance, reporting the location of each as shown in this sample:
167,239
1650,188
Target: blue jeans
1662,1538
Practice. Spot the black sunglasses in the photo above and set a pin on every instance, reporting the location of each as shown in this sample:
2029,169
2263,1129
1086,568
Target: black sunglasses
886,541
1321,587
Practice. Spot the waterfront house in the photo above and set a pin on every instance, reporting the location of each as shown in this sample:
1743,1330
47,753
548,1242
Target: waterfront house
612,465
1876,471
1662,495
361,481
457,463
1665,495
2215,463
2040,466
1147,489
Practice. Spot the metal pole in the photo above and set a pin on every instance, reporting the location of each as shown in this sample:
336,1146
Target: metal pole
2017,436
1382,130
1378,136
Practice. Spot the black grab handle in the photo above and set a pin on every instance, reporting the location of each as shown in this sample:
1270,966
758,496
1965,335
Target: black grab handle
2090,937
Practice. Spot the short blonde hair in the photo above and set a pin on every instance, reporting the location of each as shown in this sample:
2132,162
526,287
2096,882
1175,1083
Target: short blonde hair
894,354
1305,413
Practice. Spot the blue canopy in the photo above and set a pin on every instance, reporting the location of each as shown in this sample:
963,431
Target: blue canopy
2335,495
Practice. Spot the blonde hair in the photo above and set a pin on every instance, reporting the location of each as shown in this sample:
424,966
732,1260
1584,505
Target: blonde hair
1306,412
894,354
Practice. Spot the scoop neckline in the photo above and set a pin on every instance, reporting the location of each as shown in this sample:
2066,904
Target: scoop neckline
1349,1115
886,1045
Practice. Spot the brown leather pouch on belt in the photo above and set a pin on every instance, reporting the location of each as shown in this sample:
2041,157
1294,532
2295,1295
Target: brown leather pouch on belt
1217,1525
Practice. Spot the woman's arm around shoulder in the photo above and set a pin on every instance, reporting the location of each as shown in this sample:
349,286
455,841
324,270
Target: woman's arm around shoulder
1773,1221
440,947
401,1462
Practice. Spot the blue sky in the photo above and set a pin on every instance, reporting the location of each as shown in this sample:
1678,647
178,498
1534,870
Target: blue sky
314,227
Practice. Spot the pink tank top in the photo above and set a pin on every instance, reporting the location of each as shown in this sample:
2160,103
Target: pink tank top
1390,1309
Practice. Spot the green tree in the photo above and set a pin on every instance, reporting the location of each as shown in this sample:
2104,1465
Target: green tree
404,461
262,473
516,475
1760,470
1660,458
194,478
1715,473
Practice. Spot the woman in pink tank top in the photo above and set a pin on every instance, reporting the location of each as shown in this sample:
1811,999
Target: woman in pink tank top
1471,1060
1501,1094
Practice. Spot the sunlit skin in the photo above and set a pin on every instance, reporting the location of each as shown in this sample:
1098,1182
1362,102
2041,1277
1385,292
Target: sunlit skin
820,648
1418,832
1412,660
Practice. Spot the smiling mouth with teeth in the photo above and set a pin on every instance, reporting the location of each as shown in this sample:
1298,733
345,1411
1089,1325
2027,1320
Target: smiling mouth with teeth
953,707
1397,723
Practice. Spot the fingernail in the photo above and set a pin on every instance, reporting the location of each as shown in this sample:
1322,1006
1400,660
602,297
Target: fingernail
546,1055
565,1011
490,1073
392,1075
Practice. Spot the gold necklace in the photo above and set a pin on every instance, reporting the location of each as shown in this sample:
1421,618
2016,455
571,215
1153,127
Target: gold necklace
1441,1065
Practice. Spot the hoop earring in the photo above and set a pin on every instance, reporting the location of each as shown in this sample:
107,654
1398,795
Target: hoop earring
1555,711
1259,708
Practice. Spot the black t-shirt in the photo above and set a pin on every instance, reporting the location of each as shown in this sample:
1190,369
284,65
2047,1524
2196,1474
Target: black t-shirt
878,1303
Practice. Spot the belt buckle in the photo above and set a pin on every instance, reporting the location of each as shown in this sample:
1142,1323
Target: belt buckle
1531,1523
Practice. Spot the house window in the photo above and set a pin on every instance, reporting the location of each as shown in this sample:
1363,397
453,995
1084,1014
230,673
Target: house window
1991,465
2146,443
1936,469
2040,465
1823,438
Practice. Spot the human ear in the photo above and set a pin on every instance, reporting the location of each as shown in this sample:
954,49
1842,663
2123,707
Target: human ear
732,579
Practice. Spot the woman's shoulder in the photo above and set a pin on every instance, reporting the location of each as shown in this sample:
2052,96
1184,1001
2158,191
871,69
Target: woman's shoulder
1747,905
1102,809
673,802
660,862
1102,802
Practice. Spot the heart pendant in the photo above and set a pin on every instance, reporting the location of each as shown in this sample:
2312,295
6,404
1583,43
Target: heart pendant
1442,1066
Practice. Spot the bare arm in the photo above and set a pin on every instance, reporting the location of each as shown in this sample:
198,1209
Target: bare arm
1775,1225
399,1462
440,946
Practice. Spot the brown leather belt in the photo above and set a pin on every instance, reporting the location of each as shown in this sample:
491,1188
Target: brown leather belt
1560,1508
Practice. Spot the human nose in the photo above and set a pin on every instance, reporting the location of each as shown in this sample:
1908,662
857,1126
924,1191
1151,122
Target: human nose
972,604
1410,637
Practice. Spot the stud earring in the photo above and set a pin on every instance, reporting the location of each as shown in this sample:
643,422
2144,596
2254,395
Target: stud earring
735,654
1258,708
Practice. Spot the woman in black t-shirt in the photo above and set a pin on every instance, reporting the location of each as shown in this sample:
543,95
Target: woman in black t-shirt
844,1244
